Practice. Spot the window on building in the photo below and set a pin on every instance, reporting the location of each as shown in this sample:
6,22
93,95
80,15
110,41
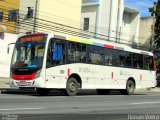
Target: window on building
86,24
30,13
1,16
12,16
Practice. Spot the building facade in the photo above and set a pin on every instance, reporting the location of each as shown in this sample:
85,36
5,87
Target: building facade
50,16
110,20
130,26
5,57
8,15
145,32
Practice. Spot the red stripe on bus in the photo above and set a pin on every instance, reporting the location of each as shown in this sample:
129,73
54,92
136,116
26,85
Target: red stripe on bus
108,46
23,77
154,61
112,75
140,76
68,72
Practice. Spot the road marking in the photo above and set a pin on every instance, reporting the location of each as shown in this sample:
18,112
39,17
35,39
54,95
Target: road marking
145,103
20,109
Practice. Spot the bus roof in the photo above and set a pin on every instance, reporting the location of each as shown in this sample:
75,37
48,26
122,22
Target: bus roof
98,42
103,43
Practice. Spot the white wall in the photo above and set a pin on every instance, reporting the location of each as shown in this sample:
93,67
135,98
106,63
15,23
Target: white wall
113,19
5,58
130,28
89,12
145,32
106,17
26,25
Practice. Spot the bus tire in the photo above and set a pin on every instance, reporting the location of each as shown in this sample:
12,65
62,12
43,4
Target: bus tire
103,91
130,86
71,87
42,91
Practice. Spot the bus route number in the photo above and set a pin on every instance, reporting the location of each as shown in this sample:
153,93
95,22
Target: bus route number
84,70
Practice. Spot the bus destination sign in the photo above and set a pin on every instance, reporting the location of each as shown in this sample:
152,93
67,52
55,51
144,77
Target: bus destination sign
32,38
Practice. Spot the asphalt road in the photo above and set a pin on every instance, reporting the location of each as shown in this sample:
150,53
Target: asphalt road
86,105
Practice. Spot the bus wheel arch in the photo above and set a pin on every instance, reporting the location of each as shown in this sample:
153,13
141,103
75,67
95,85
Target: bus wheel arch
132,79
130,87
72,85
78,78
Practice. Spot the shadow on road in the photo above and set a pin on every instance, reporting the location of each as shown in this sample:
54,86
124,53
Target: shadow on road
74,116
59,93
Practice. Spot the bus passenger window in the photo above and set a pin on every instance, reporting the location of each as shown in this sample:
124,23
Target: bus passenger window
121,63
83,59
148,63
109,62
138,61
55,54
137,65
151,65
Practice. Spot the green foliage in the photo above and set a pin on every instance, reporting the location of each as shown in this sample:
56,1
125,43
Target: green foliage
158,63
157,23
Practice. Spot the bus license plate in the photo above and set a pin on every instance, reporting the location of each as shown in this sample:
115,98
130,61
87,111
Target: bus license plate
22,83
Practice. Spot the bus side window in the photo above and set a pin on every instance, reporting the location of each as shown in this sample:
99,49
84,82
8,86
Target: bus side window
74,52
148,63
138,61
151,63
55,54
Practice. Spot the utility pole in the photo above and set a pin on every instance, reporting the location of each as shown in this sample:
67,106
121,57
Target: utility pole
35,16
110,18
118,13
153,26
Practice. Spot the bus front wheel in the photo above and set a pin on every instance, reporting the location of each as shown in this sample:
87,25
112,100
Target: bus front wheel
130,86
71,87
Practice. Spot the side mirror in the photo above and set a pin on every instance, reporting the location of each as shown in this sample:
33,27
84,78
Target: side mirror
8,47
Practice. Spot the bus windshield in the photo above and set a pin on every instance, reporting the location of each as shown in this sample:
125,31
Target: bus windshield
29,52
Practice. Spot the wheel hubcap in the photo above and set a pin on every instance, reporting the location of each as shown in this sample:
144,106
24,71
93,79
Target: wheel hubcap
130,87
72,87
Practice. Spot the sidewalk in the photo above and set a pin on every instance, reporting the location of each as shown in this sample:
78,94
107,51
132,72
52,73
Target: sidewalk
5,87
4,83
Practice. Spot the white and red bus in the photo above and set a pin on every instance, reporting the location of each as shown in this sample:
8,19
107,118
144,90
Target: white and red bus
48,61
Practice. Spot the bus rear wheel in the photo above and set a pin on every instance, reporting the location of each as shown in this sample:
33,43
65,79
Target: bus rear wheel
103,91
71,87
42,91
130,86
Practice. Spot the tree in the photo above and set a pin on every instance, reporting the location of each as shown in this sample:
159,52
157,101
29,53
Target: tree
155,12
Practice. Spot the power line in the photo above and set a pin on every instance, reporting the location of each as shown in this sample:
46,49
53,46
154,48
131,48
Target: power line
54,26
65,26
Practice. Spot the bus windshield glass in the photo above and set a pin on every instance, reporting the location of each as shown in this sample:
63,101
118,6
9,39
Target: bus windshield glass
29,52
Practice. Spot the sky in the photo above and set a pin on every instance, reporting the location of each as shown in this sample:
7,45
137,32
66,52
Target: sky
141,5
